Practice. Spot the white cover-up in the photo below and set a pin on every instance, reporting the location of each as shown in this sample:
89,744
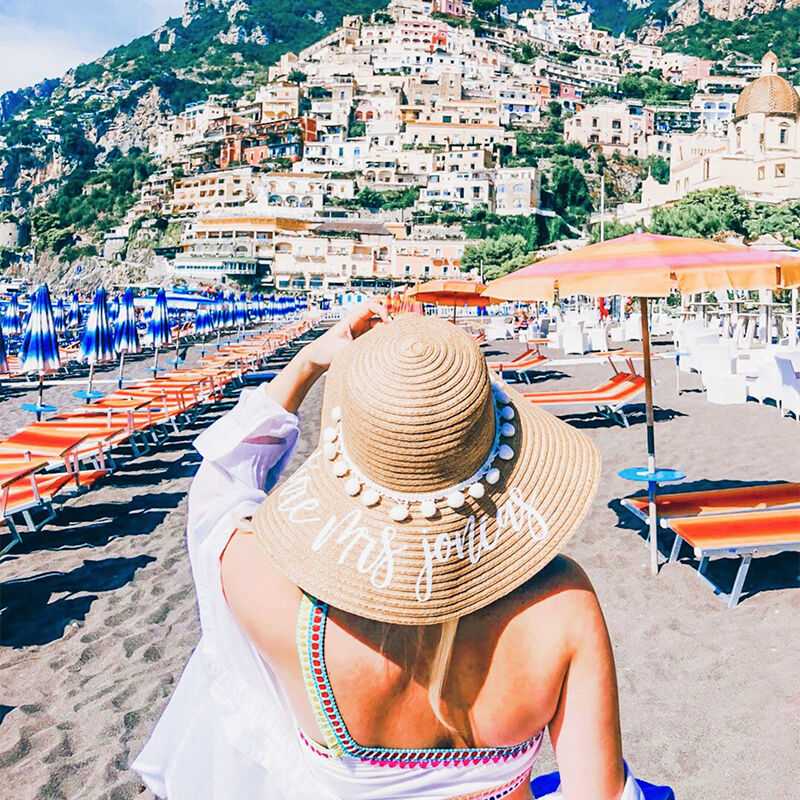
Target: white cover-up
228,732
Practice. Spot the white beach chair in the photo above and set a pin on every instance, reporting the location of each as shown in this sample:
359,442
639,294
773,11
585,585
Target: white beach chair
717,364
790,386
574,340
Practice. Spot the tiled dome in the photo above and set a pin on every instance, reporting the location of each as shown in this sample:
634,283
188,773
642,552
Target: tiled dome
769,94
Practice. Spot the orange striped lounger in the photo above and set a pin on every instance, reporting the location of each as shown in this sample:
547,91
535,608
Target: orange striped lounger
740,522
609,398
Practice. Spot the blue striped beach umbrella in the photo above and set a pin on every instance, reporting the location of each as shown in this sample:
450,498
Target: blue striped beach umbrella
113,309
39,350
12,317
229,315
126,336
240,311
158,327
75,315
203,322
97,342
60,317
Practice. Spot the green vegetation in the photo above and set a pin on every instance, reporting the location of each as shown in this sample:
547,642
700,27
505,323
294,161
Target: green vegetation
705,214
373,199
89,202
567,191
525,53
658,167
715,38
497,257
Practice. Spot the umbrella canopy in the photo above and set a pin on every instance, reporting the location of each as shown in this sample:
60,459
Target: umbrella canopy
218,311
12,317
75,316
39,350
203,322
3,354
240,311
158,327
126,337
60,316
449,293
97,342
113,309
647,265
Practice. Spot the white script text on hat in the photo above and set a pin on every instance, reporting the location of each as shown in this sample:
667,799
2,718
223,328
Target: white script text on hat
377,549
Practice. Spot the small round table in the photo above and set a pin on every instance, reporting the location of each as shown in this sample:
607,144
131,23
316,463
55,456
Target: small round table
39,409
652,479
86,395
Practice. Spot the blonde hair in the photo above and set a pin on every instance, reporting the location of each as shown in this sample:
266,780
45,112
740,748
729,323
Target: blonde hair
440,666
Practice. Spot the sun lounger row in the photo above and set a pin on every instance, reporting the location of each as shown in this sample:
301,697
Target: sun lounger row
739,522
68,453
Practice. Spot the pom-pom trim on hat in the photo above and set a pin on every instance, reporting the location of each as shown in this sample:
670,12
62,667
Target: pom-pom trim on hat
371,494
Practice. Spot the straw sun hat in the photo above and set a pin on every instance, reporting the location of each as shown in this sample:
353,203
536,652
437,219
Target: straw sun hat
435,488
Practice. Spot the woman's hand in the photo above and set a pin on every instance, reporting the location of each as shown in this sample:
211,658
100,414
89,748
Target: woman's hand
291,384
357,322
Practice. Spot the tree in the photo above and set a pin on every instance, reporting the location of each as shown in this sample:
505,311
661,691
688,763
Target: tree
658,168
296,76
569,191
703,214
498,256
612,230
483,8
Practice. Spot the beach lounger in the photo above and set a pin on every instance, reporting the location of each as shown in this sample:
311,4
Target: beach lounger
742,534
520,365
716,501
741,521
608,398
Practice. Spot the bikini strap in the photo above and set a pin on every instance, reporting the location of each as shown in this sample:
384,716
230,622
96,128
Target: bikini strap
311,618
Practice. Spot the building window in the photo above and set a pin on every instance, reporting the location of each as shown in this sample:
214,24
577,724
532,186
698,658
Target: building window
616,124
783,134
761,173
780,170
595,122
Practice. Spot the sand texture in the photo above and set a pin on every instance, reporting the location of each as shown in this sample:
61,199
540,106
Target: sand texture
99,613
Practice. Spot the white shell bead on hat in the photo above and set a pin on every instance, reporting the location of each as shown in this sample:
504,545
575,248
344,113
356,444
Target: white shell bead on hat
505,452
399,512
493,475
456,499
352,487
336,414
370,497
477,490
507,413
427,508
330,450
329,434
340,469
507,429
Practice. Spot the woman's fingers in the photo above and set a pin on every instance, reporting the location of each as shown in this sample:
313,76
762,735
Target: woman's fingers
365,317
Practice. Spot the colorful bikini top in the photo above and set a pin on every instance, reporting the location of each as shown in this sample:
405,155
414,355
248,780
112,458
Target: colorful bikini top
502,768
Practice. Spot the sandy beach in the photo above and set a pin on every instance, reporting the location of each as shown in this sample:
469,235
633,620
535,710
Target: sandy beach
99,613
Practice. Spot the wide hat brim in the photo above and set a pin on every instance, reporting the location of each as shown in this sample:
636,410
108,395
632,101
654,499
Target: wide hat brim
426,571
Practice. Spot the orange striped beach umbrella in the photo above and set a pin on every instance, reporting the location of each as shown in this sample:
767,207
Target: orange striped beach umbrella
648,265
452,293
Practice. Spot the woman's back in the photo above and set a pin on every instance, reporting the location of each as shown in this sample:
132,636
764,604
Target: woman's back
505,683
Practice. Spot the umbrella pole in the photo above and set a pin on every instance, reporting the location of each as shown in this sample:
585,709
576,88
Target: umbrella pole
121,368
155,363
651,438
41,402
89,383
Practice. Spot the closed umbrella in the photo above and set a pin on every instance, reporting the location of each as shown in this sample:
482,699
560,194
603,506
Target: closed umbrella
158,328
126,337
75,315
97,342
113,309
203,324
60,317
240,312
12,317
647,265
39,350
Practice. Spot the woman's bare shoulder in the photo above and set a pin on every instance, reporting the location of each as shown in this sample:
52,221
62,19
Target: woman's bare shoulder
260,597
558,601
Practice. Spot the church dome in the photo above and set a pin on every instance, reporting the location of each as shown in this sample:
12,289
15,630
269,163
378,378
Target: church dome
768,94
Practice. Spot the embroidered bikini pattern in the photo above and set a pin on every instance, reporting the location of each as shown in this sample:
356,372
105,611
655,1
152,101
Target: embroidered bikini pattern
310,637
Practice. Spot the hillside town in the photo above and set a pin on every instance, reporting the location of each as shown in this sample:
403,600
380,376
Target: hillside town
357,161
